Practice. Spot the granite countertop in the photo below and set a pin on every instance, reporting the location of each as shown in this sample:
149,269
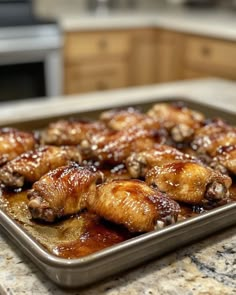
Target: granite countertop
205,267
214,22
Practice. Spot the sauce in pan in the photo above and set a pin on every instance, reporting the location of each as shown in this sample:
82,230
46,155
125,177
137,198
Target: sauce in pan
78,235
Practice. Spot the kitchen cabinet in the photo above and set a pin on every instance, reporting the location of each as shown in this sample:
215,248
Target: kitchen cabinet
169,56
209,57
96,60
95,76
100,60
143,57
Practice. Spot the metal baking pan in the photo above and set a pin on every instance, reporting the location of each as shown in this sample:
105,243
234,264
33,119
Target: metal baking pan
89,269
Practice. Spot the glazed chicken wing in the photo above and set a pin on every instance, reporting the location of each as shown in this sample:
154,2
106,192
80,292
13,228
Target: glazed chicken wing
70,132
139,163
190,182
225,159
133,204
114,147
212,136
31,165
126,118
63,191
178,119
14,142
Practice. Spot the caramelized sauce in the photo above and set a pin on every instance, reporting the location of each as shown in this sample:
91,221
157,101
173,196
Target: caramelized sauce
78,235
73,237
96,235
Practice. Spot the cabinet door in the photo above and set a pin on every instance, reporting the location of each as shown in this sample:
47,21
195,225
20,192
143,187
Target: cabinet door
206,52
96,76
84,46
169,56
143,57
192,74
211,57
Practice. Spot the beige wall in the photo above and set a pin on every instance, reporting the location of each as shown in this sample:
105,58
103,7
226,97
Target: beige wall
51,8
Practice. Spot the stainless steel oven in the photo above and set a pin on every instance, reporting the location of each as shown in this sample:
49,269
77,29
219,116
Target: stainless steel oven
30,53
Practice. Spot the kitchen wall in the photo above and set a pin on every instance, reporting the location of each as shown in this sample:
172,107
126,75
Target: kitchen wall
53,8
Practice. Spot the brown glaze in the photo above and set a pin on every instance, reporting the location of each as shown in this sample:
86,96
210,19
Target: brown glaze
96,235
31,165
63,191
122,119
14,142
133,204
114,147
232,191
225,157
70,132
77,236
63,196
73,237
212,136
189,182
139,163
178,119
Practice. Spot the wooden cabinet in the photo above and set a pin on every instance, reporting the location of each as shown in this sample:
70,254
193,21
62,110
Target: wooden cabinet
169,56
210,57
96,76
142,64
103,60
81,46
96,61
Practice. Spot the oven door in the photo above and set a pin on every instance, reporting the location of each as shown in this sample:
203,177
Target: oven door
30,62
21,81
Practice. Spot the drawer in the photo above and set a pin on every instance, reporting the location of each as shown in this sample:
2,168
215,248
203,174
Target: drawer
204,53
86,45
96,77
192,74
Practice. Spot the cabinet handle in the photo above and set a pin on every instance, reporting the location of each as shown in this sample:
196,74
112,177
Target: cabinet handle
205,51
102,44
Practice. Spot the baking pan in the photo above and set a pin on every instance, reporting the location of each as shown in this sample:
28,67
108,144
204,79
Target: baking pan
89,269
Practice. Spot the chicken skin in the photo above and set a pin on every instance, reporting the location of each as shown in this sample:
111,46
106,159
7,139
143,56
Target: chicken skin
63,191
114,147
121,119
70,132
225,159
212,136
190,182
139,163
178,119
14,142
31,165
133,204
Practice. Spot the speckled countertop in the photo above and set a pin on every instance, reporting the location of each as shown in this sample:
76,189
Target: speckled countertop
206,267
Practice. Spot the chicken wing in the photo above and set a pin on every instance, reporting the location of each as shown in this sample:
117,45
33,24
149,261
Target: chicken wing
114,147
133,204
225,159
14,142
139,163
121,119
70,132
63,191
190,182
212,136
31,165
178,119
